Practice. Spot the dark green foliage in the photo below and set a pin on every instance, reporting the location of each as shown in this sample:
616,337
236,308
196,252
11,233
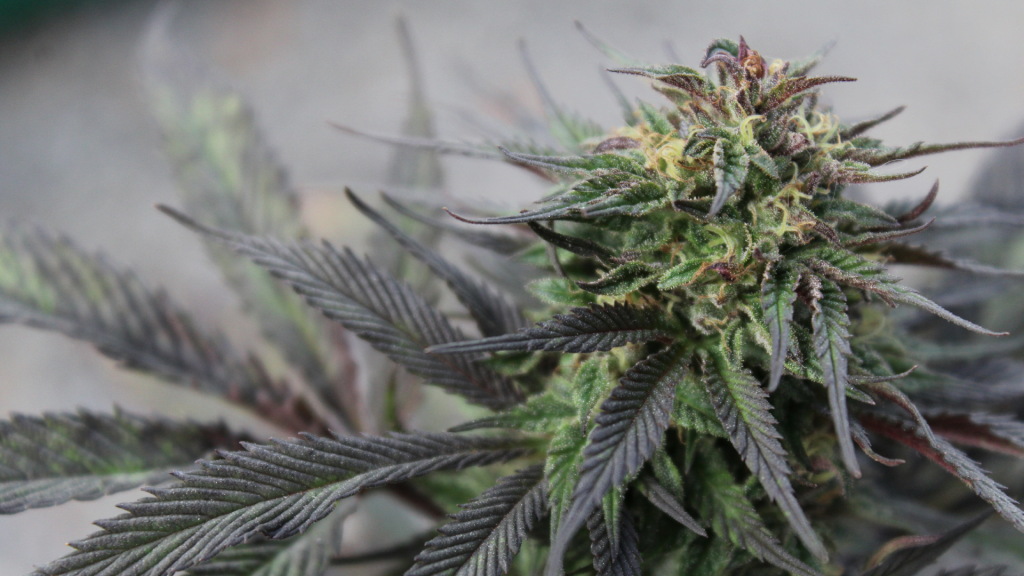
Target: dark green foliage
378,308
306,554
486,534
279,489
47,282
82,456
614,556
743,408
594,329
713,347
626,433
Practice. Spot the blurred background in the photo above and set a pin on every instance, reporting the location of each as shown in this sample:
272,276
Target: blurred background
80,152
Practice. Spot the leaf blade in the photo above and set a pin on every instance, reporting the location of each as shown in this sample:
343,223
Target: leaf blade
583,330
832,346
374,306
743,408
778,292
279,490
486,534
56,458
629,428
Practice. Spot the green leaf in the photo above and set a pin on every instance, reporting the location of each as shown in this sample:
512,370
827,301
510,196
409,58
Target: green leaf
693,410
306,554
565,454
682,274
628,430
789,87
778,292
832,347
908,295
590,384
655,119
743,408
47,282
730,172
279,490
581,165
377,308
611,511
560,292
540,413
846,211
863,126
733,516
602,195
56,458
686,79
762,161
621,280
879,156
583,330
484,537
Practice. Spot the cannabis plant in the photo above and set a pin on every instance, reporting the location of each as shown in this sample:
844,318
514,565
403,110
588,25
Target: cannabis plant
711,368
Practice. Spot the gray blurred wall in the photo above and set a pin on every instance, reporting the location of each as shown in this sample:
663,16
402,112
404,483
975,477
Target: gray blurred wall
79,153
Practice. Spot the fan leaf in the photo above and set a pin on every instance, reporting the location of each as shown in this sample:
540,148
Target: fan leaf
940,451
907,556
278,490
56,458
731,161
628,430
565,454
227,174
49,283
609,559
732,516
306,554
486,534
376,307
832,347
583,330
743,408
667,503
778,292
493,314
